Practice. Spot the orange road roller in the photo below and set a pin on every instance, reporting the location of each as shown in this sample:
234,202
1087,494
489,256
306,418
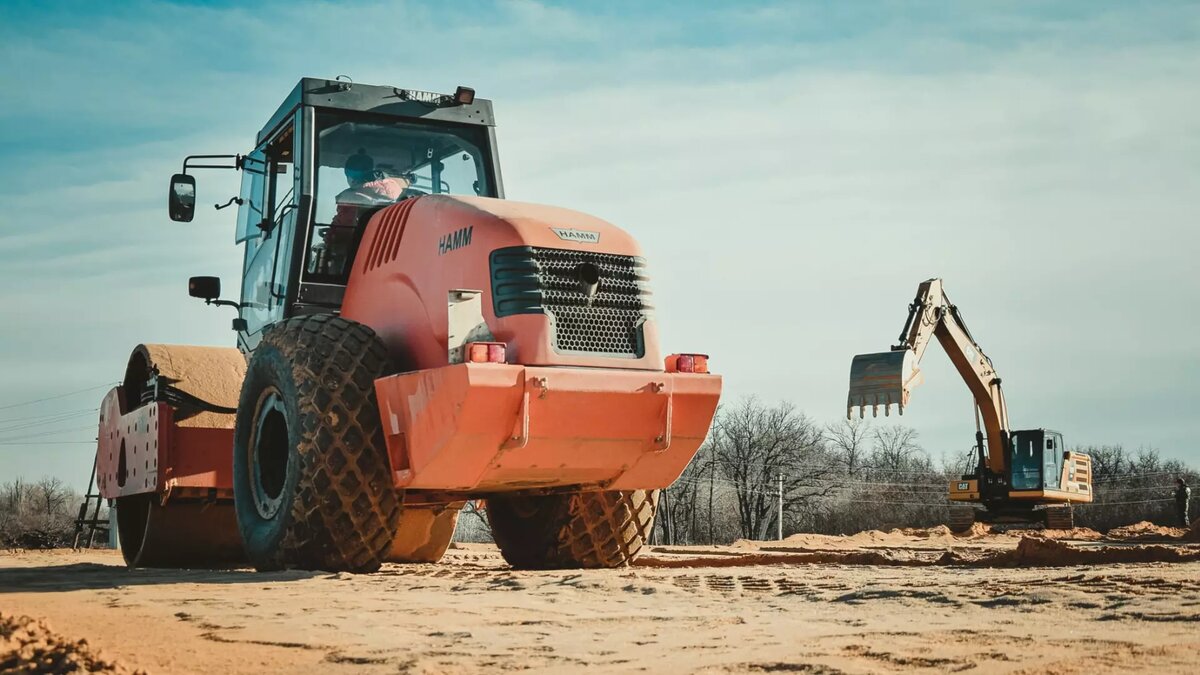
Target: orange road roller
407,340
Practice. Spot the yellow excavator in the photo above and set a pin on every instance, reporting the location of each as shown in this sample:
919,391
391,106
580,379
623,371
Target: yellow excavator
1025,476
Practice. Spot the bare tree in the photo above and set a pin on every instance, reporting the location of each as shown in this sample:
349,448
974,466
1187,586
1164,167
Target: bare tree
473,524
52,496
895,450
679,507
37,515
847,439
756,447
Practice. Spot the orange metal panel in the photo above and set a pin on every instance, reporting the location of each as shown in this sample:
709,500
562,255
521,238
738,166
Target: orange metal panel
200,457
128,447
158,454
498,427
402,295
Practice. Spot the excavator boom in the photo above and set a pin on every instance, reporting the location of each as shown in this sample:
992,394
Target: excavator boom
886,378
1017,470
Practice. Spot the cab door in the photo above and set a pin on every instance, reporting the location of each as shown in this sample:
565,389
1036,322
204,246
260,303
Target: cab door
1027,460
266,225
1052,462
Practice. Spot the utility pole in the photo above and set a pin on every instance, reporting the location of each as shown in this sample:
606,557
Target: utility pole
779,525
712,474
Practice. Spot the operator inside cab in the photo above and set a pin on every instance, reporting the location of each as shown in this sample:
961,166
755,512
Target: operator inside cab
369,186
366,164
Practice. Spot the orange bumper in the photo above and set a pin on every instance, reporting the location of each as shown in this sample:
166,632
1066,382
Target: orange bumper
482,427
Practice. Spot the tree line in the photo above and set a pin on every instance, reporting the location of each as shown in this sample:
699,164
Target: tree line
37,514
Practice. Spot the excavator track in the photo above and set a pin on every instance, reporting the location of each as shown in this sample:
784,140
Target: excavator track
1059,517
962,518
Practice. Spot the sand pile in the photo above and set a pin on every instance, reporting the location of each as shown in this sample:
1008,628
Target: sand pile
1146,530
1078,534
977,530
869,538
1035,551
29,646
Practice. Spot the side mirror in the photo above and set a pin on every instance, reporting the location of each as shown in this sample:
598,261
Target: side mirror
205,288
181,200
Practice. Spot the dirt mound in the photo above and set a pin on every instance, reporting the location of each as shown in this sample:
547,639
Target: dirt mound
977,530
778,556
1194,533
923,533
29,646
1146,530
1078,534
1044,552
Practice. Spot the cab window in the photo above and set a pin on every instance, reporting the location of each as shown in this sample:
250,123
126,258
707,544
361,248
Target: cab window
366,163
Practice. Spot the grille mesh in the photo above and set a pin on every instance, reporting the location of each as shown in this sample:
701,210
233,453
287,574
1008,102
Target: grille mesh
545,280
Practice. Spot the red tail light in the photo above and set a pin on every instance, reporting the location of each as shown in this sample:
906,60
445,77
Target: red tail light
485,352
687,363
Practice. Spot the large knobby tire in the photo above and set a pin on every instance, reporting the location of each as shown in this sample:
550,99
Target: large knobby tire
312,482
582,529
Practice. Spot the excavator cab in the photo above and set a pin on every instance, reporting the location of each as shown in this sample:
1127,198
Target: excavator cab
1036,459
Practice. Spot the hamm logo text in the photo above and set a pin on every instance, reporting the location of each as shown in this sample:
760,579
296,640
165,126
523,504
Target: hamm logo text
455,240
581,236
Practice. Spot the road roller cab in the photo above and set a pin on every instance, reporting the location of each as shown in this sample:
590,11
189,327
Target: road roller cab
411,341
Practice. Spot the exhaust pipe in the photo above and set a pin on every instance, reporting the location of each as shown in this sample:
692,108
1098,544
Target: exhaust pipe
588,275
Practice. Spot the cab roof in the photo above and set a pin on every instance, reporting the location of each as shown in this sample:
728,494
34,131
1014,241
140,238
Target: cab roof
379,100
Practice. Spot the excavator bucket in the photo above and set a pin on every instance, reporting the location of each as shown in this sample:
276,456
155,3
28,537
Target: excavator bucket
880,380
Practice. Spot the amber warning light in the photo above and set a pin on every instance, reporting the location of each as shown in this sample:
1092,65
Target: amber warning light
464,96
687,363
486,352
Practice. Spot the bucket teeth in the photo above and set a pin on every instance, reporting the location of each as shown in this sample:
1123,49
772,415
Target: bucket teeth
881,379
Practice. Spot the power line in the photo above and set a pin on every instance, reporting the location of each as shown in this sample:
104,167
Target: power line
44,434
1150,488
47,442
62,417
1118,479
39,417
57,396
1140,501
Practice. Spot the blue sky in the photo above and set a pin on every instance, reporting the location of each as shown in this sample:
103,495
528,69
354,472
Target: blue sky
792,169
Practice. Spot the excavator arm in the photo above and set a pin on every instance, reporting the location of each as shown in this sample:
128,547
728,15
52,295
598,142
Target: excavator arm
887,378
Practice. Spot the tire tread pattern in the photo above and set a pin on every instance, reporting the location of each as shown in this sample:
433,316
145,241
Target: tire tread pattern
576,530
345,510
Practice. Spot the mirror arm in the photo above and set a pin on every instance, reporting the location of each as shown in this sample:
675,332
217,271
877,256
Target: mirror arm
224,303
189,162
232,200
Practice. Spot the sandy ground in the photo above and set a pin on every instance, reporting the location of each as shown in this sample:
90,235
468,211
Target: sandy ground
920,601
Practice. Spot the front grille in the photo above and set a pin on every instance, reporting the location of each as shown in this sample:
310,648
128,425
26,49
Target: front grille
529,280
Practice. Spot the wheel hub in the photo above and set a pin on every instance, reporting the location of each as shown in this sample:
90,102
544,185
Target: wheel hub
269,454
